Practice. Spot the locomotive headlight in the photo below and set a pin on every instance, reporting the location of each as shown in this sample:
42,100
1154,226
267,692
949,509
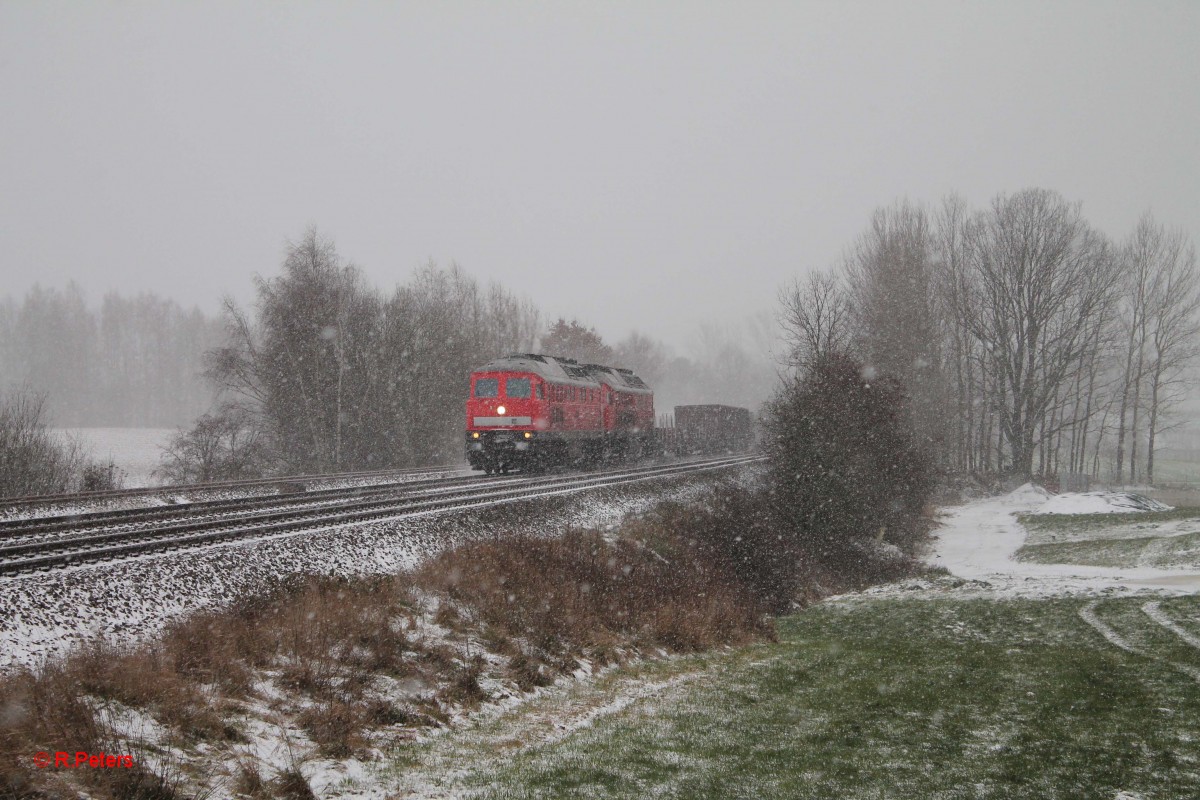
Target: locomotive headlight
528,435
474,434
500,409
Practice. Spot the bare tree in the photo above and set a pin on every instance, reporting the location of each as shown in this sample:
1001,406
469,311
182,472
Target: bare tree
956,302
1023,336
31,460
1173,321
645,356
223,445
512,323
293,363
1138,264
1044,277
815,317
892,279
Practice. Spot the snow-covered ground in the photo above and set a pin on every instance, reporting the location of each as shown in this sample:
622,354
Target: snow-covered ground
978,541
1091,502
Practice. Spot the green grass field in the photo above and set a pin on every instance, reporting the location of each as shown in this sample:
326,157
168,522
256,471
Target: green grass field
1167,539
883,698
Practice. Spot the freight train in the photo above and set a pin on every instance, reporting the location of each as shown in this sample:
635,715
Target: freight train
529,412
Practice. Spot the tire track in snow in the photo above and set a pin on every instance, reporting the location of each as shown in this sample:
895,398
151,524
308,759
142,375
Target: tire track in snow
1088,615
1153,552
456,754
1153,611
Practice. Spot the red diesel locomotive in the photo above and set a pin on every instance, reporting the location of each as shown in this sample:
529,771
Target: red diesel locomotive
529,411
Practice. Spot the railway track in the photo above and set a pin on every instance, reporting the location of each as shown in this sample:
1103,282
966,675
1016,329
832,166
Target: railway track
35,526
47,543
280,485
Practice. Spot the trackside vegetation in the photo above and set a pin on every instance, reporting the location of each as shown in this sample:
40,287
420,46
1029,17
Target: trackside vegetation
357,666
33,461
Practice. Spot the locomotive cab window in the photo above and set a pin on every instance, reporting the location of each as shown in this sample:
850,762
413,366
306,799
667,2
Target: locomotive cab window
517,388
487,387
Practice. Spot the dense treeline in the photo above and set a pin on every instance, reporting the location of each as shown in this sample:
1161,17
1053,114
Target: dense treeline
134,361
730,364
1028,342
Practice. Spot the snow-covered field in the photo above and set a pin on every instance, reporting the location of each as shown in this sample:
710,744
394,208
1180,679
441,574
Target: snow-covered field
979,541
135,451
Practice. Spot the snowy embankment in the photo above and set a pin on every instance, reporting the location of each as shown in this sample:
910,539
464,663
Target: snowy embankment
979,541
132,600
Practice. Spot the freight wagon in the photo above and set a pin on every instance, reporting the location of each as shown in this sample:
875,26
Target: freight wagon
714,429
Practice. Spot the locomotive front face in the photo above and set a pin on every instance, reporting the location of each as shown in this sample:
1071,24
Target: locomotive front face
529,411
505,413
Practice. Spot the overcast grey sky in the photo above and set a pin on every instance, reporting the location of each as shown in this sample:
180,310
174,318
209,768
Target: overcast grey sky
637,165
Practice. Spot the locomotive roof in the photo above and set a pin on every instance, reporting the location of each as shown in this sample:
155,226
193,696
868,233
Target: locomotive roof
557,369
618,378
554,370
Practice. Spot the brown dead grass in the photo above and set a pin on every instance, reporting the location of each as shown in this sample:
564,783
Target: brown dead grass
584,592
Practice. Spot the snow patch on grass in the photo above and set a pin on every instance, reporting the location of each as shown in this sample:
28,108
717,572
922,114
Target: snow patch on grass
979,542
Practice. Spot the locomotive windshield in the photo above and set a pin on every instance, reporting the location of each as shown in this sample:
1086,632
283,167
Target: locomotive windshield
487,387
516,387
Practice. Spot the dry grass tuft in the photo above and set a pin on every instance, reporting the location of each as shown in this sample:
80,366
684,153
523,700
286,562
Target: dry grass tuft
292,785
584,592
336,726
249,782
463,688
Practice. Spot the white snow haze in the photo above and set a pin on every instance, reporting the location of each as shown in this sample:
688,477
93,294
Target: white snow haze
642,166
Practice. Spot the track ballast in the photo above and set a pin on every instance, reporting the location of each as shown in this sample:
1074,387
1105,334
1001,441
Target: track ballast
33,545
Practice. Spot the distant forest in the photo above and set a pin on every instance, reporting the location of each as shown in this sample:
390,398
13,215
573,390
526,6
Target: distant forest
130,362
1029,343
